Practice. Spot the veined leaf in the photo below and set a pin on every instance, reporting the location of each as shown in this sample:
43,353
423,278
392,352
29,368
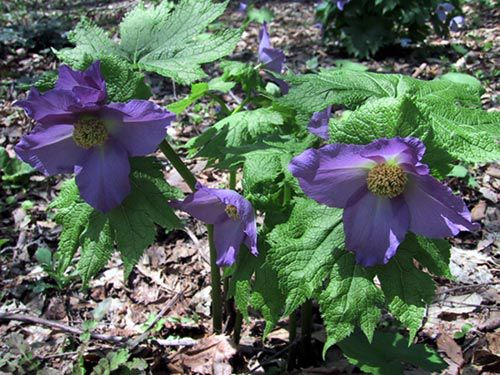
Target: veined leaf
165,39
302,250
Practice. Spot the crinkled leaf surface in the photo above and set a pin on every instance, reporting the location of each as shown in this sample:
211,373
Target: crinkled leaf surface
165,39
131,226
302,249
387,352
350,299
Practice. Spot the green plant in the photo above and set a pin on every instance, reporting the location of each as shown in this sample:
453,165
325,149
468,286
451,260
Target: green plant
364,27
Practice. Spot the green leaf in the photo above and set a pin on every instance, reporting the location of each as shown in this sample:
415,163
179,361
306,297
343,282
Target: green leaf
91,42
164,39
406,288
197,91
387,352
314,92
260,15
301,250
73,214
123,83
238,130
467,134
262,293
464,79
13,170
349,300
95,254
170,43
132,223
432,254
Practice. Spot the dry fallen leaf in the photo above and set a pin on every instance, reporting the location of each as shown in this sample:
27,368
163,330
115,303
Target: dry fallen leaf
209,356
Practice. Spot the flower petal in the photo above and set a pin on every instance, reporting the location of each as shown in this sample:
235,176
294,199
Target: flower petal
52,107
435,212
143,125
51,150
402,150
374,227
319,123
103,178
228,237
272,58
331,174
203,205
89,86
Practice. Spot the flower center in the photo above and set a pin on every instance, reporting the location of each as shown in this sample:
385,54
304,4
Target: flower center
89,132
387,180
232,212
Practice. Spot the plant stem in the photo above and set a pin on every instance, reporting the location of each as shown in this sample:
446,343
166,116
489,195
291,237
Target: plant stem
232,179
292,334
216,291
306,321
190,179
237,327
178,164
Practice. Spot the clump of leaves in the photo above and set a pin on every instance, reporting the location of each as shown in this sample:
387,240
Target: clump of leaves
365,26
167,40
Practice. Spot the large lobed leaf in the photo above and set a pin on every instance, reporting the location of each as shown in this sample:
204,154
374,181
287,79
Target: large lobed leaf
445,114
165,39
130,226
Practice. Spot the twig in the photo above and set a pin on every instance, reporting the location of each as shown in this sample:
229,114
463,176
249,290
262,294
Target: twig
163,311
471,286
185,341
61,327
277,354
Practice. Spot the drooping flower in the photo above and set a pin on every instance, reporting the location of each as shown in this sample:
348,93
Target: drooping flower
271,58
242,7
232,216
318,124
78,132
385,191
457,23
442,11
342,3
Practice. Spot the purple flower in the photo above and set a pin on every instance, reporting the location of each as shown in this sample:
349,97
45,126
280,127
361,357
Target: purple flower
405,42
319,123
232,216
443,9
385,191
272,58
242,7
342,3
457,23
77,132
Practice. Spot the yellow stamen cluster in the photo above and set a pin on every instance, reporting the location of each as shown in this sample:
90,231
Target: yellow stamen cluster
387,180
232,212
90,132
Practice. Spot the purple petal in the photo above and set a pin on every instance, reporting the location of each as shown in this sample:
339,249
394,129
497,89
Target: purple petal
374,227
443,9
272,58
228,237
142,125
404,151
342,3
331,174
103,178
50,149
435,211
52,107
203,205
319,123
457,23
88,86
